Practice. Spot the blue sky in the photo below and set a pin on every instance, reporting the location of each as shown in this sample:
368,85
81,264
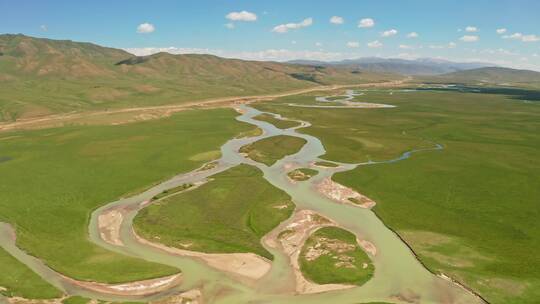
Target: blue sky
455,30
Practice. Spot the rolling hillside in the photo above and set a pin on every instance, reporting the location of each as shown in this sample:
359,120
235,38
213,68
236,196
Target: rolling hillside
493,75
44,76
420,66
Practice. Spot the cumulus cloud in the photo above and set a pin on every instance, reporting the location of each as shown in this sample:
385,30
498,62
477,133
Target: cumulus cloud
469,38
389,33
499,51
319,44
353,44
450,45
501,31
513,36
241,16
43,27
405,47
374,44
522,37
229,25
412,35
145,28
530,38
471,29
283,28
269,54
366,22
337,20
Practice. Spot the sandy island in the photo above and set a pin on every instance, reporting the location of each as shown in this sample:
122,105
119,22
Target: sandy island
342,194
290,237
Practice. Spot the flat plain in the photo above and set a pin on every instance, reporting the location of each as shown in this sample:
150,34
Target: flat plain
59,176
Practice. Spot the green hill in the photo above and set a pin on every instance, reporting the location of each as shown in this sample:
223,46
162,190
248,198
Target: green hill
492,75
44,76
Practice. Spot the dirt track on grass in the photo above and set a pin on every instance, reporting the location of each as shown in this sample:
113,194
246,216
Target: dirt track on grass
154,112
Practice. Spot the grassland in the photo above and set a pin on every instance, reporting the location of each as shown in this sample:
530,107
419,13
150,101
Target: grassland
302,174
56,177
326,164
172,191
278,123
21,281
76,300
44,76
469,210
219,216
271,149
332,255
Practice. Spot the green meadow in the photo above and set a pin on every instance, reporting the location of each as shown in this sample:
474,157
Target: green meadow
271,149
331,255
19,280
302,174
219,216
278,123
469,210
57,177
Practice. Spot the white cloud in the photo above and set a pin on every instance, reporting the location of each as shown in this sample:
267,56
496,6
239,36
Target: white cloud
501,31
471,29
469,38
241,16
337,20
318,44
283,28
499,51
293,41
145,28
389,33
366,22
269,54
374,44
229,25
530,38
412,35
353,44
405,47
514,36
450,45
43,27
285,55
524,38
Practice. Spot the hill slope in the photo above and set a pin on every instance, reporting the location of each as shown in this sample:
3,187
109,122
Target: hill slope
44,76
421,66
493,75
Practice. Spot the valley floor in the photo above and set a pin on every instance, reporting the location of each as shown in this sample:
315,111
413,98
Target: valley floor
466,210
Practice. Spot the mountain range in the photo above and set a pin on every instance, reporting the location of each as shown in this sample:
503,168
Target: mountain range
421,66
43,76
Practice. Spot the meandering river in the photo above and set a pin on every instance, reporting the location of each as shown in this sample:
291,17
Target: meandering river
399,277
